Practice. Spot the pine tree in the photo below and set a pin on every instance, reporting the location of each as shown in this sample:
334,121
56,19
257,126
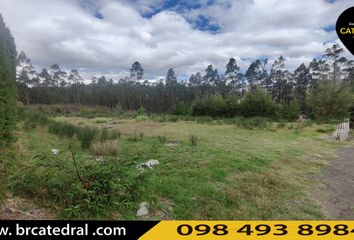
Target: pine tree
319,70
7,85
171,78
136,72
102,81
279,82
232,72
302,80
210,75
334,54
74,77
58,76
45,78
256,73
234,78
195,80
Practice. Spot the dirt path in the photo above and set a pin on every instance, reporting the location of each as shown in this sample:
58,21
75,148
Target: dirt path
338,190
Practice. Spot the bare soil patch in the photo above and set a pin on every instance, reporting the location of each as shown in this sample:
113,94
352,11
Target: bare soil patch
337,199
20,209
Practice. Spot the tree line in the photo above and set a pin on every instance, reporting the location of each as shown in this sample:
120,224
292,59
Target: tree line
321,88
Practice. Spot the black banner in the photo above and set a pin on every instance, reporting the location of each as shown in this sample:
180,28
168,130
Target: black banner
74,229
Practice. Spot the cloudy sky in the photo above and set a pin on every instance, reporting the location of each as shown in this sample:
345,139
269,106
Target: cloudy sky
107,36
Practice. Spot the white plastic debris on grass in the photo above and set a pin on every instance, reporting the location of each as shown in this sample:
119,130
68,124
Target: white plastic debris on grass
99,159
54,151
143,210
149,164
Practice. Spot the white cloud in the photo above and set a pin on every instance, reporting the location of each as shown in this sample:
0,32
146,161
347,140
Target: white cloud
65,32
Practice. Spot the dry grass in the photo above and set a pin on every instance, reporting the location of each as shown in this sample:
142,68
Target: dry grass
108,148
21,209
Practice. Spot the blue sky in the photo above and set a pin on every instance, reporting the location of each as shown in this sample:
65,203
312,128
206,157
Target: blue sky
107,36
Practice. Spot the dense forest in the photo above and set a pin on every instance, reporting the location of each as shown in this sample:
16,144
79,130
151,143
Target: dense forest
320,89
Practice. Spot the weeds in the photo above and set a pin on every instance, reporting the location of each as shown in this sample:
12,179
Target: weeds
281,124
86,136
173,118
141,111
100,120
162,139
141,118
204,120
114,134
62,129
193,139
136,137
34,119
77,190
326,129
162,118
108,148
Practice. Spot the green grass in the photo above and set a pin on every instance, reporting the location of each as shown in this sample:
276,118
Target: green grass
229,173
100,120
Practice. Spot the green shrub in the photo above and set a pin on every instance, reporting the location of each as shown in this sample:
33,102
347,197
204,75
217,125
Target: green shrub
100,120
103,136
281,124
8,86
193,139
62,129
86,136
291,112
256,122
329,100
118,109
238,121
139,118
258,103
141,111
172,118
231,106
34,119
209,106
162,118
204,120
181,108
99,189
162,139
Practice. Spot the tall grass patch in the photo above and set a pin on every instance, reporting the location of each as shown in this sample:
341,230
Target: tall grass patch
107,148
193,140
86,136
62,129
34,119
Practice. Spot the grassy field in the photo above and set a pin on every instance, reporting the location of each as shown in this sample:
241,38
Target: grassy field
206,171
